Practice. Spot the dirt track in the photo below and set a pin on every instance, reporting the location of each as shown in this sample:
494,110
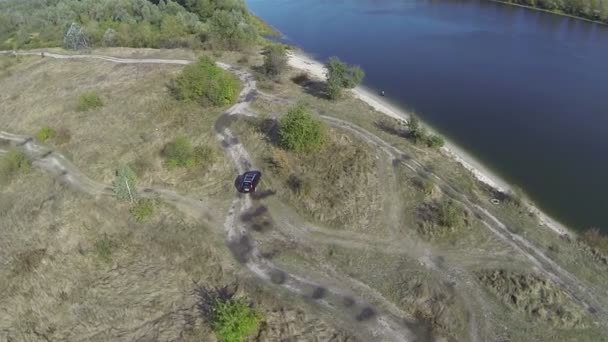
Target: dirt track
380,321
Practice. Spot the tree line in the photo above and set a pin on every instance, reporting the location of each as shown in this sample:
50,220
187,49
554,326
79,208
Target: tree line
596,10
225,24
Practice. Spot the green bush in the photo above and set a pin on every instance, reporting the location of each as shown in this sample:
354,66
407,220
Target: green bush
88,101
340,75
300,132
143,209
124,184
179,153
419,135
12,163
103,248
234,320
434,141
445,214
450,215
205,82
45,133
275,60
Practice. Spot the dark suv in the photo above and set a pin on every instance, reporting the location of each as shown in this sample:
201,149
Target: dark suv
248,181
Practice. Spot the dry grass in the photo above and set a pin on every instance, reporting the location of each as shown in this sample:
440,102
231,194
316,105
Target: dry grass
74,267
337,186
138,118
537,297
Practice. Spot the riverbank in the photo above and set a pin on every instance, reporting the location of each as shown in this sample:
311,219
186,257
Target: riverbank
299,60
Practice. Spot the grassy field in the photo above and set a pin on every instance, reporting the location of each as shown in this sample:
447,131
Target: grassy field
352,214
79,267
468,245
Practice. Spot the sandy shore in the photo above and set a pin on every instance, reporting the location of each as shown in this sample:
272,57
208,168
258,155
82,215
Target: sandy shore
299,60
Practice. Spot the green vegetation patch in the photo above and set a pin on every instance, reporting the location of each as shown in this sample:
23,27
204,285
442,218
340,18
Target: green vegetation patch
88,101
206,83
133,23
45,133
336,185
341,76
124,184
103,248
538,297
439,217
12,163
234,320
419,135
263,28
181,153
143,209
275,60
300,132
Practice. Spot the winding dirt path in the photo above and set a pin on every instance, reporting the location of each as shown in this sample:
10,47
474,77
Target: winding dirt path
381,322
369,321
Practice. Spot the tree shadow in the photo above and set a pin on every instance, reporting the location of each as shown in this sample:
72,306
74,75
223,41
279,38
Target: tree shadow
392,129
310,86
207,298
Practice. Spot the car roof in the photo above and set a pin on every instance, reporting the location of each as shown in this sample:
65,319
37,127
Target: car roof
249,176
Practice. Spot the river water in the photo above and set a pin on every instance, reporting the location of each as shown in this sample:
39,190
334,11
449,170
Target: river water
523,91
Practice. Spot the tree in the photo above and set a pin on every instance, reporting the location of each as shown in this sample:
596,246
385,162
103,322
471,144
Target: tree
300,132
416,132
275,60
75,38
340,75
205,82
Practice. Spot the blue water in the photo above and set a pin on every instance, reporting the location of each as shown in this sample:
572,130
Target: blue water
523,91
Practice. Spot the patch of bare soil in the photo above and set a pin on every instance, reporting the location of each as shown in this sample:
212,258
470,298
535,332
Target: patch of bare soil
538,297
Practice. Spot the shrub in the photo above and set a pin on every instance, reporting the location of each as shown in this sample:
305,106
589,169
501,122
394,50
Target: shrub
179,153
88,101
434,141
13,162
340,75
275,60
124,184
300,132
143,209
103,248
44,134
418,134
234,320
450,215
205,82
446,214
